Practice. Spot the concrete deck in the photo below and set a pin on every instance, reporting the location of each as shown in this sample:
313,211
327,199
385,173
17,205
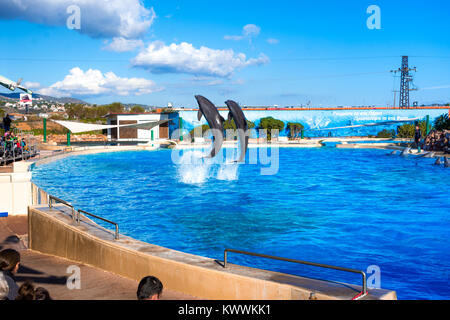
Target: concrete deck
51,272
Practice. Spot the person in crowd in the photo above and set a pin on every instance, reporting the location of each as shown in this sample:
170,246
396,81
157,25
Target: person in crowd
26,291
41,294
23,145
417,136
9,264
150,288
2,143
7,123
4,287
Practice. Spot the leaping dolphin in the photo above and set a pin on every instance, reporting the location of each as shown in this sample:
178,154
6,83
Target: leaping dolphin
446,162
438,161
241,125
215,121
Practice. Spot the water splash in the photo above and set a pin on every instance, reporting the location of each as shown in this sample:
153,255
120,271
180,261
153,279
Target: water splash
193,169
228,172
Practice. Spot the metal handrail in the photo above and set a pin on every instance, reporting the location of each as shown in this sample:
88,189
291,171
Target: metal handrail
364,285
116,236
52,198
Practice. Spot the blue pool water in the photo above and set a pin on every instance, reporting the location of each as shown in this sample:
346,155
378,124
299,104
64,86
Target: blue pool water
351,208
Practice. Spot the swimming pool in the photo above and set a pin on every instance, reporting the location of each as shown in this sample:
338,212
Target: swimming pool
351,208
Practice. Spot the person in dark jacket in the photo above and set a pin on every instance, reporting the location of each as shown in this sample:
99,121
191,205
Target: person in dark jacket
417,136
7,123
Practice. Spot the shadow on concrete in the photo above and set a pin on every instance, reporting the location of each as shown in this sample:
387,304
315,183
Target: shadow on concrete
220,263
11,240
29,274
43,280
25,270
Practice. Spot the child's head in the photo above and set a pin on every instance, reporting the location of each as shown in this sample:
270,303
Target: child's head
26,291
9,260
41,294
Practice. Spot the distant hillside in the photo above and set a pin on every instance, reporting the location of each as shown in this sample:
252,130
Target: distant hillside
16,95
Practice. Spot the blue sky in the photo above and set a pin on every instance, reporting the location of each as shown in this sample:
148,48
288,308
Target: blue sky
296,52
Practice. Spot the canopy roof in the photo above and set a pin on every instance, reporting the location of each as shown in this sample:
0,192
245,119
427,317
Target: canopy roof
79,127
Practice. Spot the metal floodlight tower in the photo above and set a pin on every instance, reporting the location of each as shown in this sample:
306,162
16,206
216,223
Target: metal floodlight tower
405,80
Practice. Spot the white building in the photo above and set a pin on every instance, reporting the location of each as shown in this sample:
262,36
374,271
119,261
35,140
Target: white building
136,134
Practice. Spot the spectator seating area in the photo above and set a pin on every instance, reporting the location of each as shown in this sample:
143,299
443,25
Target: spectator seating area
15,146
438,141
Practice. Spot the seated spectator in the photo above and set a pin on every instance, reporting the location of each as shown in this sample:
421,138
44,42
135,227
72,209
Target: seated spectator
41,294
23,144
150,288
26,291
4,287
9,264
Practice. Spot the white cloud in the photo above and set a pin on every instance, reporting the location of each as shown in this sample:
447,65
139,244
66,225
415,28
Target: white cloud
112,18
239,82
94,83
185,58
234,38
208,81
120,44
32,85
273,41
249,31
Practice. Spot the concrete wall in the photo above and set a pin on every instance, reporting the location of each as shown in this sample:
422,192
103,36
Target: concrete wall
15,190
52,231
52,236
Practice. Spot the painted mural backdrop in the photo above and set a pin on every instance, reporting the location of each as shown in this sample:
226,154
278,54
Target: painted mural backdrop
318,119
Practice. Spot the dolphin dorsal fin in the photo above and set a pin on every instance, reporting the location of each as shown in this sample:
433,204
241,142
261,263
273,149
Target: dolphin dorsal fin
199,115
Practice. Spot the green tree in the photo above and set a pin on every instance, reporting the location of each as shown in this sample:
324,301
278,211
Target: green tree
116,107
75,111
408,130
294,129
231,125
137,109
270,124
386,133
442,122
203,129
79,111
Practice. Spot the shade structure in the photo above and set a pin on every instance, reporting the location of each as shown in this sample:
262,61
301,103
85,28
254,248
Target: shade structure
79,127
